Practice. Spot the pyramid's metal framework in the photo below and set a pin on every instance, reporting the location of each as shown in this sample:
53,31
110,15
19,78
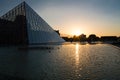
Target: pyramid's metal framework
22,25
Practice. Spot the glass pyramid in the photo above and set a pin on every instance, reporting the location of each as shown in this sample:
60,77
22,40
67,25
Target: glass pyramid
24,26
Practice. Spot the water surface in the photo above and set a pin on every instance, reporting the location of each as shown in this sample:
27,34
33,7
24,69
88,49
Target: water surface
71,61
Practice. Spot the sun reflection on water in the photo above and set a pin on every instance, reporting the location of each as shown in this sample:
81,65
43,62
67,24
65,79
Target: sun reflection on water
77,54
77,46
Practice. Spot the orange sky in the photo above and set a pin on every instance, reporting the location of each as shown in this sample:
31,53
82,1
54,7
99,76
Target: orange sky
100,17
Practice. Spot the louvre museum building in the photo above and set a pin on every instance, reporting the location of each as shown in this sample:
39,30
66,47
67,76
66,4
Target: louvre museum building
22,25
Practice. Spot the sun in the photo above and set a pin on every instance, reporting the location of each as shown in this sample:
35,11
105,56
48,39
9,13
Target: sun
76,32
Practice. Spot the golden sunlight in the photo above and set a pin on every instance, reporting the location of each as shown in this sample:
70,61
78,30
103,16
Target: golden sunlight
77,53
76,32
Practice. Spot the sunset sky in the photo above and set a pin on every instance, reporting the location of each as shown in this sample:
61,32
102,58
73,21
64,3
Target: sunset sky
100,17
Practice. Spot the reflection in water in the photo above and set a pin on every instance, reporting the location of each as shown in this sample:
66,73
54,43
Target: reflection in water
77,60
77,54
69,62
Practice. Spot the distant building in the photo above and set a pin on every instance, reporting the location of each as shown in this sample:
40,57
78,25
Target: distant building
22,25
118,39
108,38
68,39
57,31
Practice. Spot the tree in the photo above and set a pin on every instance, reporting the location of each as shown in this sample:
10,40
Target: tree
82,38
92,38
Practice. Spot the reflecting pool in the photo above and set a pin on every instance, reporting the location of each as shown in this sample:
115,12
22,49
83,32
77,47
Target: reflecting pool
69,61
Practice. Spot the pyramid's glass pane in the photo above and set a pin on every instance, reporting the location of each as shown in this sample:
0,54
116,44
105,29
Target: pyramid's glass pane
12,26
11,15
38,30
